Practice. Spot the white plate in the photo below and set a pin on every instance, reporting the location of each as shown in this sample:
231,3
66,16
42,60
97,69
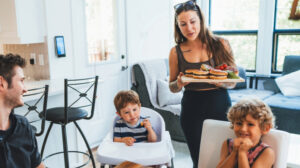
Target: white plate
189,79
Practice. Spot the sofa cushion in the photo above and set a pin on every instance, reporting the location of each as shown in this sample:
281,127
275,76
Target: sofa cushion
291,63
165,96
289,84
236,95
288,102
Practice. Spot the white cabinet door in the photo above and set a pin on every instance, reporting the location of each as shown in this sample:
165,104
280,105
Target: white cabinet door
21,21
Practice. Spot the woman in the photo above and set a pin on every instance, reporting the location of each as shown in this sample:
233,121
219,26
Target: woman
196,45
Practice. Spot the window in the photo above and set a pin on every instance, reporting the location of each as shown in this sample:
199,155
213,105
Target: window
286,34
101,26
260,32
237,23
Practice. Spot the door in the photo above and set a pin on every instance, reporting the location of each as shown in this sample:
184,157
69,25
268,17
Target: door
99,49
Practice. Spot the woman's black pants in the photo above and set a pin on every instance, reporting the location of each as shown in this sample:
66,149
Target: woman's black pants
196,107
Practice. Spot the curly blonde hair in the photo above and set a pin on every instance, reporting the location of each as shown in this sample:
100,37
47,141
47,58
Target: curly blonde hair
256,108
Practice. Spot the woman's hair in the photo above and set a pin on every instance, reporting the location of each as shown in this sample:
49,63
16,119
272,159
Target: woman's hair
7,64
214,44
125,97
254,107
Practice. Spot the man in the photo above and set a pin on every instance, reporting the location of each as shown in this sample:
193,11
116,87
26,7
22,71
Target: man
18,145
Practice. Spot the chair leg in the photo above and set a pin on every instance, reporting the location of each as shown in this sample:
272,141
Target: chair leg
45,139
87,144
65,145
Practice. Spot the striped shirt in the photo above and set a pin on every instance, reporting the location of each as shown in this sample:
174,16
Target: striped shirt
123,129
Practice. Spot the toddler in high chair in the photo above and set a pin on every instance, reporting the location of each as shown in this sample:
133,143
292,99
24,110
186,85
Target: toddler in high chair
131,127
250,120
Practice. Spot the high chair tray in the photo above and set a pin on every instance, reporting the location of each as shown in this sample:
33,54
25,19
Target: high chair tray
190,79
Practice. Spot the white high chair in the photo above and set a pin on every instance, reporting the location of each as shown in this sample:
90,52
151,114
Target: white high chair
215,132
147,154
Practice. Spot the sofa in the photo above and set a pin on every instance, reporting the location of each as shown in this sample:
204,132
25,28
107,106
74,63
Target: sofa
150,81
285,108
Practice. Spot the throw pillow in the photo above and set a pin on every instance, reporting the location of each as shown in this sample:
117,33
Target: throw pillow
165,96
289,84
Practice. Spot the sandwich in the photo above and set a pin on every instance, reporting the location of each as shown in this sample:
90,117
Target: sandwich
205,67
217,74
189,72
198,74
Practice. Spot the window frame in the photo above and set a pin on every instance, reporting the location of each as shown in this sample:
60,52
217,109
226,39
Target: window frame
267,34
276,34
233,32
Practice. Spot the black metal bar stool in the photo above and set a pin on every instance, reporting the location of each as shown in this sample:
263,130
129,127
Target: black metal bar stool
36,107
72,113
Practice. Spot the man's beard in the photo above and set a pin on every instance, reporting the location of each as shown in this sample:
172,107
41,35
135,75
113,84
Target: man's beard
13,102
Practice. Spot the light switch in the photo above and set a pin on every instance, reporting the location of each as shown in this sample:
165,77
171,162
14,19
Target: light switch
41,59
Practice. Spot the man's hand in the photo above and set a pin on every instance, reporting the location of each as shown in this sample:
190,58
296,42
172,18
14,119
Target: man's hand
128,141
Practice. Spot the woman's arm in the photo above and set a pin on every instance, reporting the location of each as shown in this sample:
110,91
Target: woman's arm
227,161
175,83
41,165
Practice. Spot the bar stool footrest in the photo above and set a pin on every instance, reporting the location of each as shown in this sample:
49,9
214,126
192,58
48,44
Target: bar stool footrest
79,152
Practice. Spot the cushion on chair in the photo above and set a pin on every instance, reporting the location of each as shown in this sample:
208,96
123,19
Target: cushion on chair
56,114
289,84
210,146
165,96
291,63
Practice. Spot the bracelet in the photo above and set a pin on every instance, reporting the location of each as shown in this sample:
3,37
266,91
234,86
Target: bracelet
174,87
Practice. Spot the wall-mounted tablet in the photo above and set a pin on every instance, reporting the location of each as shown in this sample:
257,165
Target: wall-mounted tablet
60,46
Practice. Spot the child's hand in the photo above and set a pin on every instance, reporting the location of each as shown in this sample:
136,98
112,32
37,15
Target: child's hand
236,144
146,123
246,144
128,141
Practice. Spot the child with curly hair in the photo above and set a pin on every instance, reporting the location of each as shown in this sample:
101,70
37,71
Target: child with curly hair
250,120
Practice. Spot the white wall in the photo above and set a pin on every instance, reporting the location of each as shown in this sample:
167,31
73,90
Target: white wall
58,22
148,37
148,29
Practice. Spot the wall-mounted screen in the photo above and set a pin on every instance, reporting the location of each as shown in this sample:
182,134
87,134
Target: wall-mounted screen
60,46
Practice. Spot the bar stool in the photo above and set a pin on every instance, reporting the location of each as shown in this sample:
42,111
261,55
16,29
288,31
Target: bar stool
36,110
72,113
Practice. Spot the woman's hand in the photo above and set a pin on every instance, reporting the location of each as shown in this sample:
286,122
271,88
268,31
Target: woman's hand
181,84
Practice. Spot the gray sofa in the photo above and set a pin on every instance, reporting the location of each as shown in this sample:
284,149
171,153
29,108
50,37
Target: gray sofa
285,108
146,75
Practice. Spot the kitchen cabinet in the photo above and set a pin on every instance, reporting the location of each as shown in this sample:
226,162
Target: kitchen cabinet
22,21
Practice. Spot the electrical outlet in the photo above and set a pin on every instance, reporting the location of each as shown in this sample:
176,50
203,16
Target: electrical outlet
32,58
41,59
